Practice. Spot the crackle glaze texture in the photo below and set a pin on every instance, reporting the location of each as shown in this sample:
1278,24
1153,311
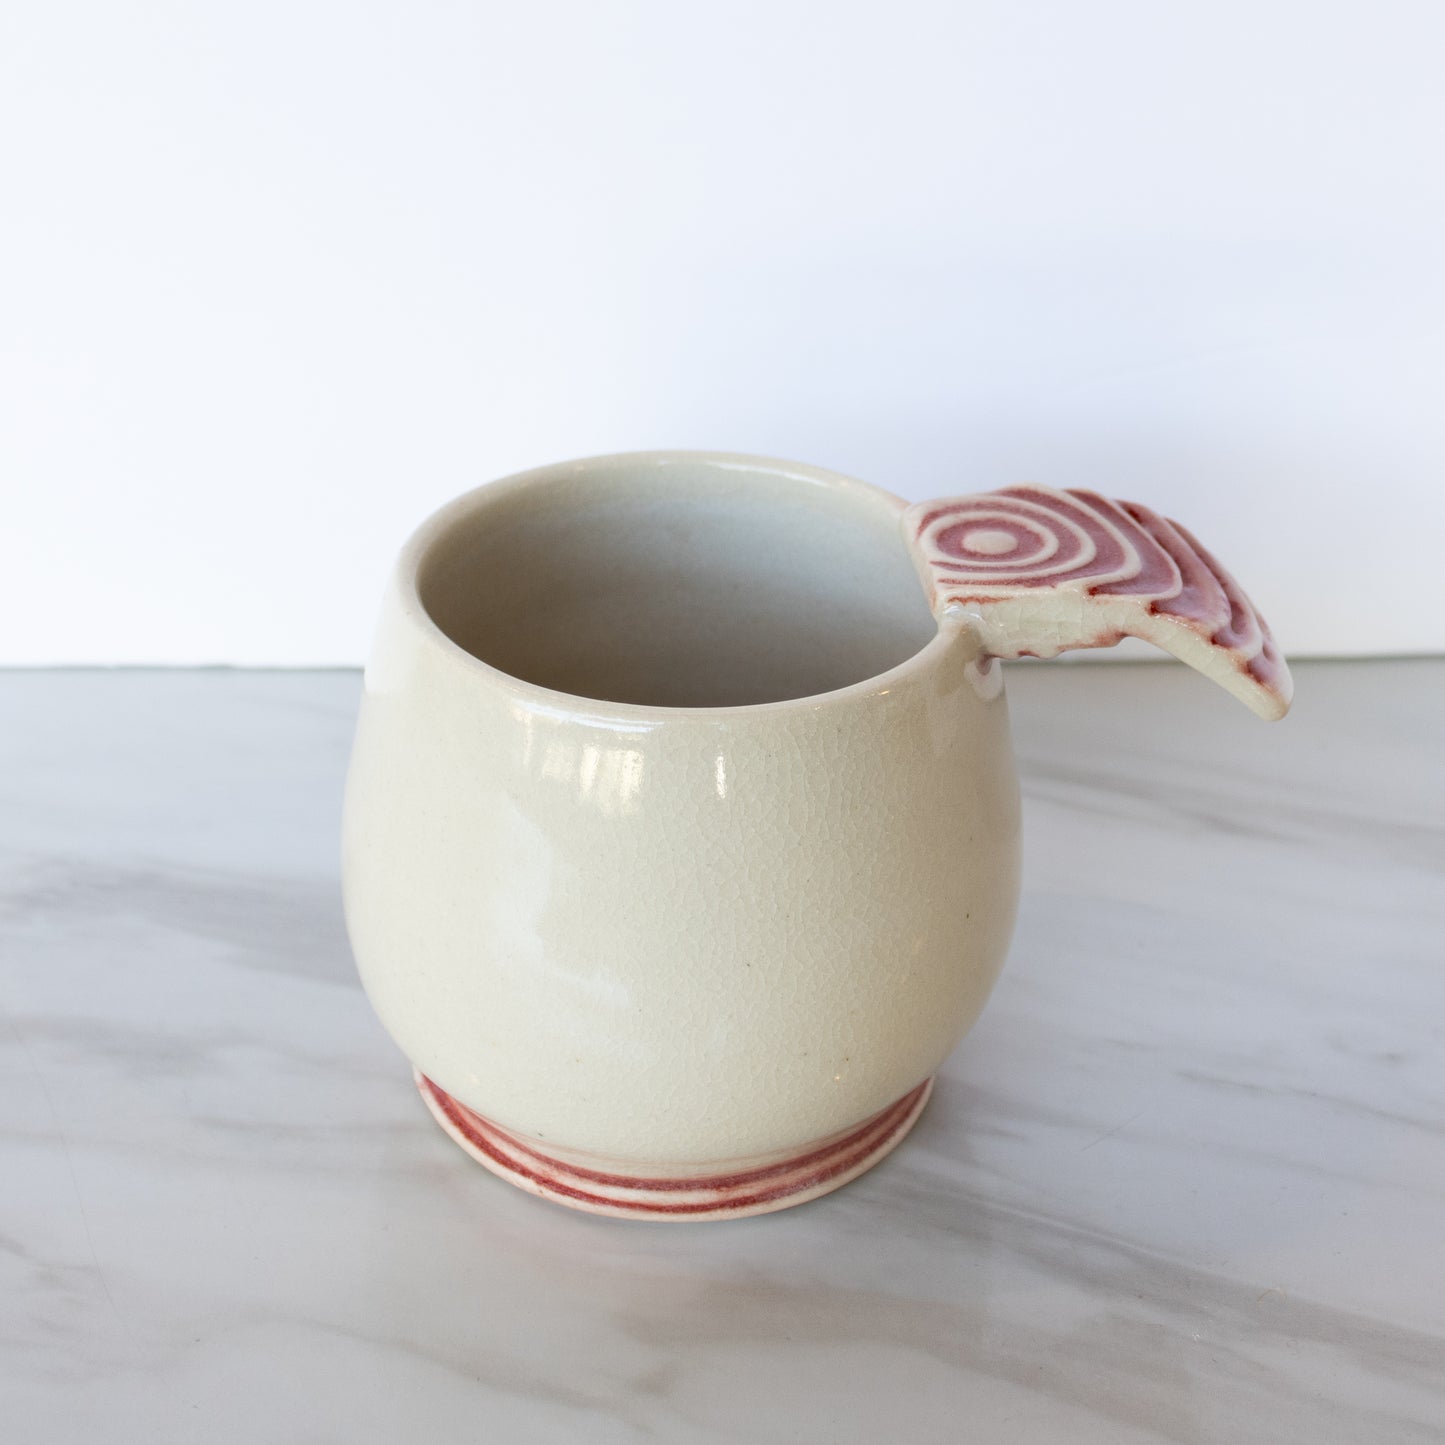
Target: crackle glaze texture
662,939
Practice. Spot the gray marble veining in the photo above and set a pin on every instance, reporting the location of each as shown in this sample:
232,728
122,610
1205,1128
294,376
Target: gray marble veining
1184,1182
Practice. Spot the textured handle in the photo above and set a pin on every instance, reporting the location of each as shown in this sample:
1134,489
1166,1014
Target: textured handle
1040,571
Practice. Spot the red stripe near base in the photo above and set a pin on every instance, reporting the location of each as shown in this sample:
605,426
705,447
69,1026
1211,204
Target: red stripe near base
809,1173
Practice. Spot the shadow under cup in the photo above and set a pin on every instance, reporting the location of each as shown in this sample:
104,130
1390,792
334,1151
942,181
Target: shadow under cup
681,583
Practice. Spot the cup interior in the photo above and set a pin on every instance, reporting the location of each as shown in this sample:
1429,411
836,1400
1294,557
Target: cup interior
674,580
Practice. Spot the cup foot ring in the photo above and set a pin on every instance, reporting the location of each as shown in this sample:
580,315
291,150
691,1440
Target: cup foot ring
813,1171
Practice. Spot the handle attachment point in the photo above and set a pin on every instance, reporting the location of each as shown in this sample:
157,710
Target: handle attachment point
1041,571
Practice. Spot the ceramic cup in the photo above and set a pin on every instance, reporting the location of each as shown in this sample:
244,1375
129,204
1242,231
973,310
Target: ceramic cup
682,828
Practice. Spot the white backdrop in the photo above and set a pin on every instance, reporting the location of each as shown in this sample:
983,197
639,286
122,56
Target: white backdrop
279,278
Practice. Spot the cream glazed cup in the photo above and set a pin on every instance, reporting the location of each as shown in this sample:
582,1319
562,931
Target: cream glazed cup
682,829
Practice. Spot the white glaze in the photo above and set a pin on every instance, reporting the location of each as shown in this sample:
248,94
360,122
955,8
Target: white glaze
668,936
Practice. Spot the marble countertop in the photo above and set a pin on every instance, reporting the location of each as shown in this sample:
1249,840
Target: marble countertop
1185,1181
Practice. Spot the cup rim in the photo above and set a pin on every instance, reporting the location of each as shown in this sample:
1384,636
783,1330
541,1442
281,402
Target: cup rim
407,571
